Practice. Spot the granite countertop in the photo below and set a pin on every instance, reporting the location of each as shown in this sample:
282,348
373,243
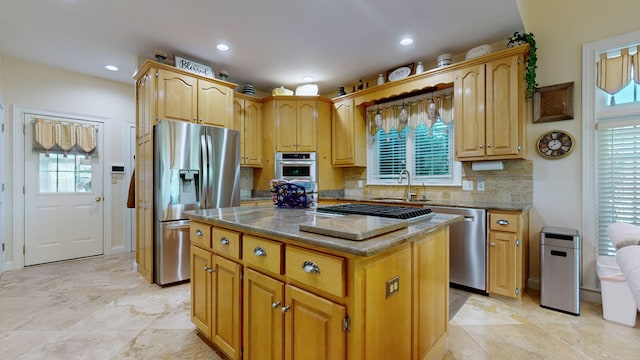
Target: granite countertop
268,221
488,205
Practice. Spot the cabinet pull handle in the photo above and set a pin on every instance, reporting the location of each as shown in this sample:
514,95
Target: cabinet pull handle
209,270
198,232
492,244
275,304
258,251
224,241
310,267
502,222
285,309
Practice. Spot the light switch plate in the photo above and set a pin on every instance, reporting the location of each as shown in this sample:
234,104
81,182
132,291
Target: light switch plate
480,185
467,185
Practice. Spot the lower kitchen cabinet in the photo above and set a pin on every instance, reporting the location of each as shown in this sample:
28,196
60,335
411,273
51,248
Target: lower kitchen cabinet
508,252
284,320
216,299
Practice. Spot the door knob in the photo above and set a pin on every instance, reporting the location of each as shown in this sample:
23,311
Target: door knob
98,198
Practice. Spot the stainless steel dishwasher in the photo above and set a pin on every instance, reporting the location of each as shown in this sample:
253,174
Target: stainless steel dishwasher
467,248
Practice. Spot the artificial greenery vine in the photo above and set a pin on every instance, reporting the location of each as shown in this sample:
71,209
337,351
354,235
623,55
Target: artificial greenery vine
519,38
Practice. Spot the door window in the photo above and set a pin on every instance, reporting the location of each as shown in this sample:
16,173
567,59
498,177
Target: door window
64,174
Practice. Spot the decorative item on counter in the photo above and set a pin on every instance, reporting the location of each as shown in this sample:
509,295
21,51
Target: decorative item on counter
419,68
223,75
530,65
444,59
307,90
160,55
291,194
341,91
478,51
380,79
281,91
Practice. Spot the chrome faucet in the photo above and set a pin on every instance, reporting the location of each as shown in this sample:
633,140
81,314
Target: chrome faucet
406,172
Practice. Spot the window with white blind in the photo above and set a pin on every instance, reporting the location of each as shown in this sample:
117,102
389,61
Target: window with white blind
423,147
617,144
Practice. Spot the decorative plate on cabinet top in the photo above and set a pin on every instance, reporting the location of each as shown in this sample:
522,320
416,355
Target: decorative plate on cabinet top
478,51
399,73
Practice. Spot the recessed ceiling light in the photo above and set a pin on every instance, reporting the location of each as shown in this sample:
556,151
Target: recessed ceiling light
307,78
222,47
406,41
111,67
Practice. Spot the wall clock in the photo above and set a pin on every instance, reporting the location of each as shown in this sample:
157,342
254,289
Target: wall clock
555,144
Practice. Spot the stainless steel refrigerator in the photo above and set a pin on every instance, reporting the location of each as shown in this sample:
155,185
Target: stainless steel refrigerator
195,167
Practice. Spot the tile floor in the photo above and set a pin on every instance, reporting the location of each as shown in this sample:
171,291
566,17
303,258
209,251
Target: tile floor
99,308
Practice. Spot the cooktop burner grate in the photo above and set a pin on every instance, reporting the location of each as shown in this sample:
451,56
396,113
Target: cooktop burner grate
395,212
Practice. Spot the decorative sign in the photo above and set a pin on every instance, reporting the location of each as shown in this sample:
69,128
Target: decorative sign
193,67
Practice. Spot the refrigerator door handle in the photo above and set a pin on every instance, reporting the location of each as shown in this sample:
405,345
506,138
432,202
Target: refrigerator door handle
209,169
204,158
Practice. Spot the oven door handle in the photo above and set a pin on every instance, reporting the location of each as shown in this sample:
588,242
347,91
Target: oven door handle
296,163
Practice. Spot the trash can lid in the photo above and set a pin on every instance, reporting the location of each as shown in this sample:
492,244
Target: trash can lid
559,231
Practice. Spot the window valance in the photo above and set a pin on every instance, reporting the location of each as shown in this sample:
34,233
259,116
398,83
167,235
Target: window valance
616,72
64,137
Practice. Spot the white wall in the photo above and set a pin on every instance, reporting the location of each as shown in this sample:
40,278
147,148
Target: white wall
560,29
30,85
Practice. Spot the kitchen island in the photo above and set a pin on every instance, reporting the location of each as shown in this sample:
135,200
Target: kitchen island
263,288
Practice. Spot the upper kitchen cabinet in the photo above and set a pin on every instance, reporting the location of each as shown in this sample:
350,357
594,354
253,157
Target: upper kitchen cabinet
247,118
187,97
348,135
490,109
296,124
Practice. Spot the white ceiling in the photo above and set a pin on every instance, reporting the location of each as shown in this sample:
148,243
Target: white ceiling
273,43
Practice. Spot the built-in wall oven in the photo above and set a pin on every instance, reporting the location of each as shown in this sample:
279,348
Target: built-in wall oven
296,166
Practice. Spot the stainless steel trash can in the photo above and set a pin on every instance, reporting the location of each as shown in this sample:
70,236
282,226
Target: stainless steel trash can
560,269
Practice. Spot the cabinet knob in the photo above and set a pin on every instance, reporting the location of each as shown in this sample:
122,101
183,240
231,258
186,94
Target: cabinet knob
480,146
285,309
258,251
209,270
224,241
310,267
198,232
275,304
489,145
492,244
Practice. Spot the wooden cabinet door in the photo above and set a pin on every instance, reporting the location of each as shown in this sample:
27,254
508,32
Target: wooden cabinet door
214,104
177,96
469,99
144,209
306,125
432,288
144,107
263,318
504,102
502,263
342,126
252,133
286,125
201,289
313,327
226,306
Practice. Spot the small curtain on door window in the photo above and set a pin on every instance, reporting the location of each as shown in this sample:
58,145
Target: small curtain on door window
614,73
635,61
44,135
64,137
86,138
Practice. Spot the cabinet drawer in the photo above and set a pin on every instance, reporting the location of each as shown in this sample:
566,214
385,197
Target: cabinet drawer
200,234
503,222
226,243
321,271
262,253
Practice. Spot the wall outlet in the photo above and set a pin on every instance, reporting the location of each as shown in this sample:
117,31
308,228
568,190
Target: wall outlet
360,184
393,286
480,186
467,185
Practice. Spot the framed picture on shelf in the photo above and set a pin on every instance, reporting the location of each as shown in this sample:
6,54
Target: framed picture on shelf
553,103
400,72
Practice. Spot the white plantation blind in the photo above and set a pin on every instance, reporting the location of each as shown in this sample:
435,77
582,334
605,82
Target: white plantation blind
617,177
392,152
432,156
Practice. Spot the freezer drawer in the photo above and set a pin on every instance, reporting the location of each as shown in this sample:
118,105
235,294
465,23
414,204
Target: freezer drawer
172,252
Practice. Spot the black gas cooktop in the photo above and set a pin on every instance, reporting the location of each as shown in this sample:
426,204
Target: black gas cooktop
395,212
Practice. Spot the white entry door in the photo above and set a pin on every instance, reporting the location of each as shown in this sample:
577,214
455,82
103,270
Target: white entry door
64,212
